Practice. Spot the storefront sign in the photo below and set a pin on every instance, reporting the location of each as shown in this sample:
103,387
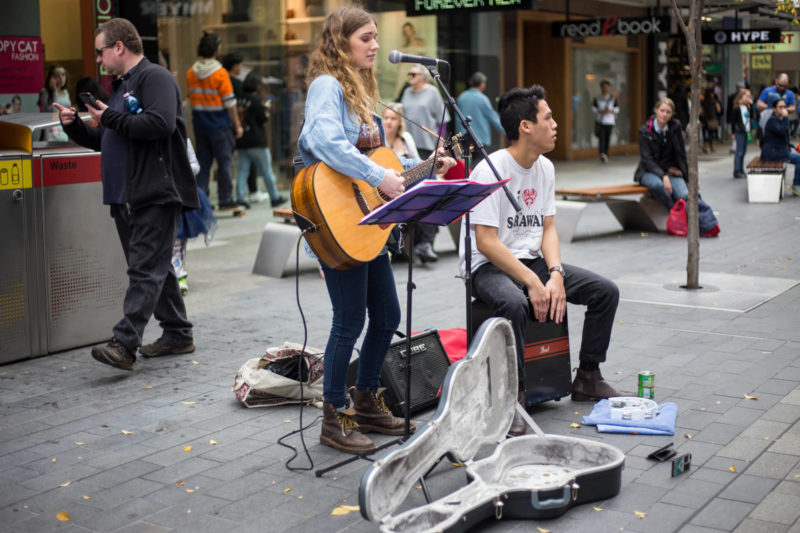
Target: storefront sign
21,65
789,42
449,7
761,62
660,59
611,26
769,35
104,11
176,9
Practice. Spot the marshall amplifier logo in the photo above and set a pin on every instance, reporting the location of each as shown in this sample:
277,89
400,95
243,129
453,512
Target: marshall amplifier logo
612,26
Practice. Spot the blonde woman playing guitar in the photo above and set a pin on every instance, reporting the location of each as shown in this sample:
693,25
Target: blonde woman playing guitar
340,126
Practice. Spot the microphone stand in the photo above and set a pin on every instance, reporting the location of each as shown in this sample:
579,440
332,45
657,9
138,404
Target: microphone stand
467,235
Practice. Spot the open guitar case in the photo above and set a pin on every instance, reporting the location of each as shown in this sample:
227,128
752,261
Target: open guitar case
530,476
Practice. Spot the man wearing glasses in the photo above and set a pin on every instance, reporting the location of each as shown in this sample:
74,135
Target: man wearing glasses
779,90
147,182
423,105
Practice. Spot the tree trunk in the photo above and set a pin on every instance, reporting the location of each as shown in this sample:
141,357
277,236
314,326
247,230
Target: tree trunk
691,31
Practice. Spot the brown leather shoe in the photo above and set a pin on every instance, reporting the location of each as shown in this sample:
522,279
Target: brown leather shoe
340,431
372,414
589,386
518,426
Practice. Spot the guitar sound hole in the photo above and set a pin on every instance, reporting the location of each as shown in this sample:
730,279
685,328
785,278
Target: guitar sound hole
362,202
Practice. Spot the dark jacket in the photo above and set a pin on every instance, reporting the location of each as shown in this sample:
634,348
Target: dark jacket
254,116
737,123
649,149
157,165
775,144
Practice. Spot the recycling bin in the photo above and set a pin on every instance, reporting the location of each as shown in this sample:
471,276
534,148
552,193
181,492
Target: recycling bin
62,270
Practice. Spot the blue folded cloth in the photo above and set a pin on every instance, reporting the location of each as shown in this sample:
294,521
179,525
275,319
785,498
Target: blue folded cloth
662,423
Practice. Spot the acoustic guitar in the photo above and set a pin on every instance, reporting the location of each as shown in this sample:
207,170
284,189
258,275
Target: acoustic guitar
335,204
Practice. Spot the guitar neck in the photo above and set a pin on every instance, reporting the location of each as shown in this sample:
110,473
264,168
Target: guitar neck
419,172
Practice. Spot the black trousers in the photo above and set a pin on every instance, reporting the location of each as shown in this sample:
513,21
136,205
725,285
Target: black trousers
147,235
508,299
604,138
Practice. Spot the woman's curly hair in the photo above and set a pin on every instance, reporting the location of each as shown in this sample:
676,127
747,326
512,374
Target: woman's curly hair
332,56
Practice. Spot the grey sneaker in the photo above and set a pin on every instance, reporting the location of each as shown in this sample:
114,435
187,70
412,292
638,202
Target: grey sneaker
114,354
796,190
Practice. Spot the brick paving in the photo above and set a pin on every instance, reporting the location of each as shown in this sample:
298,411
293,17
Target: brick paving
111,448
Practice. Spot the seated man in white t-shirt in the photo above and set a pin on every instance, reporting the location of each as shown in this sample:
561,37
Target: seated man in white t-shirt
516,263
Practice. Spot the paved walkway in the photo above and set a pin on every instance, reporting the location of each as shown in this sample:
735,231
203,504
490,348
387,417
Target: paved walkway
167,447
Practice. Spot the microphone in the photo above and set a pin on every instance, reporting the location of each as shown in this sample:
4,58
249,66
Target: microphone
396,56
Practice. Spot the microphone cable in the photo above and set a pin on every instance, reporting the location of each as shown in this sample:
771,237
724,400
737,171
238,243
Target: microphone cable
300,360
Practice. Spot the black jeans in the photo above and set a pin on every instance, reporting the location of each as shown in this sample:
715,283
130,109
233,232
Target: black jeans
604,138
508,299
147,235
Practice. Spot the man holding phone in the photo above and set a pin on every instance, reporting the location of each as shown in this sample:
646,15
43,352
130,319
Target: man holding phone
147,182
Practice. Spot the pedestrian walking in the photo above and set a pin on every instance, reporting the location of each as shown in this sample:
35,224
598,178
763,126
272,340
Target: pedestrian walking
476,105
606,109
213,113
141,134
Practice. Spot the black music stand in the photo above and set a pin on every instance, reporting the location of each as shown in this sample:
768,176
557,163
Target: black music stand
430,202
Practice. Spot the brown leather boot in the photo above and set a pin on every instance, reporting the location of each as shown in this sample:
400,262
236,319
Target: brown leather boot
372,414
340,431
589,386
518,426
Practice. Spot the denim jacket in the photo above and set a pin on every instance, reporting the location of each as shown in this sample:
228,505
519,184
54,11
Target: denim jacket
330,133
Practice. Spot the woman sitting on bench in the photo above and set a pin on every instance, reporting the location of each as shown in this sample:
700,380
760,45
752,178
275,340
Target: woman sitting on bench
775,146
663,167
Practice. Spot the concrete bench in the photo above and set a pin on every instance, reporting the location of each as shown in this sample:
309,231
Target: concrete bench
765,181
276,255
643,214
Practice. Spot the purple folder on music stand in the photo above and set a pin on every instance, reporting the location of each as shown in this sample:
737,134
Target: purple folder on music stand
433,202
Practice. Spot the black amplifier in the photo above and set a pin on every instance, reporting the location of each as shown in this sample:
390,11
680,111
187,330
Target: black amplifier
429,364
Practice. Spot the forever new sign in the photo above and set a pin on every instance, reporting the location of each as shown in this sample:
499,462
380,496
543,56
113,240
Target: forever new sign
449,7
611,26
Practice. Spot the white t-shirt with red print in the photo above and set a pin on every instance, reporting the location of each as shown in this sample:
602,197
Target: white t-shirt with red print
534,189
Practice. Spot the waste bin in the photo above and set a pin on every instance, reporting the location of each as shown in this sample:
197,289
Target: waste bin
62,271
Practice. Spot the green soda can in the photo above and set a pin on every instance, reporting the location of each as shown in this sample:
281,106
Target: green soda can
647,383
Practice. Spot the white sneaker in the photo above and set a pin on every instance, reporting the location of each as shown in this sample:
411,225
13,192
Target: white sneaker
258,197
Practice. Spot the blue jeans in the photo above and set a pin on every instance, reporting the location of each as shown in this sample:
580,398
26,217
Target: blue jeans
367,288
656,186
741,149
262,159
508,299
217,146
794,158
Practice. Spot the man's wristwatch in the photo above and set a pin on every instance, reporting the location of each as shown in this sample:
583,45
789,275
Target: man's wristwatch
559,269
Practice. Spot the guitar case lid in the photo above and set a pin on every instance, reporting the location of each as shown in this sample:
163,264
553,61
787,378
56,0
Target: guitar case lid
476,408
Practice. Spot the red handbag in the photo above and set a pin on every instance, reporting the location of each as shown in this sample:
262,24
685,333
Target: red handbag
676,223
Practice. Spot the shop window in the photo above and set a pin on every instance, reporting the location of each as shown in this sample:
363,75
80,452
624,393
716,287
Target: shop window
589,68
